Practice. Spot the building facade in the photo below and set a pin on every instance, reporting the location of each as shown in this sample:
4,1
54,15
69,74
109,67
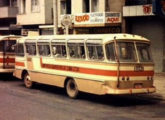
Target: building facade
141,19
33,13
8,12
92,16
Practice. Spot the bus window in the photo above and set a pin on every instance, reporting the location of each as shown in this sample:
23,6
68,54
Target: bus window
144,52
76,50
31,48
59,50
95,51
44,50
1,46
20,49
110,51
127,52
9,45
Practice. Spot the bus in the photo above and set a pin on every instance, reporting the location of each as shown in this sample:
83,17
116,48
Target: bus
98,64
7,53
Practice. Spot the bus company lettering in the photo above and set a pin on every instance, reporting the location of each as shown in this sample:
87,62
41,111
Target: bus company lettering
82,18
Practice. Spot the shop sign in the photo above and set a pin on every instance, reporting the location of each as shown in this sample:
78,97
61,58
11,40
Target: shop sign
113,17
97,18
147,9
89,18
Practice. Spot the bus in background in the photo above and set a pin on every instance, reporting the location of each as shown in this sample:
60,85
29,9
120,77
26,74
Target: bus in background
7,53
98,64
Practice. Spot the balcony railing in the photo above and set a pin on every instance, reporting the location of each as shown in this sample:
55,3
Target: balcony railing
8,12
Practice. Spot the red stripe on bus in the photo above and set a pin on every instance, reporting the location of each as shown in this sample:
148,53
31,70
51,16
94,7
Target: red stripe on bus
20,64
7,60
95,71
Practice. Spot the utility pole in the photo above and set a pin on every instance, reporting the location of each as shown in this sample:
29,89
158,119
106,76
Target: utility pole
55,16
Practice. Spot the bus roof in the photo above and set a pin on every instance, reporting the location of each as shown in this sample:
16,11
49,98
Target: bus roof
105,37
8,36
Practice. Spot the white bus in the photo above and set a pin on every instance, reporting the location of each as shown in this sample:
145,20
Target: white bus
7,53
98,64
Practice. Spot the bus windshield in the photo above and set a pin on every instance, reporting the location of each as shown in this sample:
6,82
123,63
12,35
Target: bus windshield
143,50
126,52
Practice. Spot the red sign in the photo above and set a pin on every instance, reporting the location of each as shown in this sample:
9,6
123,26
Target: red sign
113,20
82,18
147,9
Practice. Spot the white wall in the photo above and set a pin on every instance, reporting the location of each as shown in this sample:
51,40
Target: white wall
31,18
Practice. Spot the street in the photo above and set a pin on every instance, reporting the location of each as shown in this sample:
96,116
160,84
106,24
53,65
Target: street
51,103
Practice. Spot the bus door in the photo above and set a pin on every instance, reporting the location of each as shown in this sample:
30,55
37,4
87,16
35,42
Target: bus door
8,53
31,51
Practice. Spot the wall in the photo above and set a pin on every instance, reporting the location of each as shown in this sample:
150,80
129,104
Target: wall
116,5
30,18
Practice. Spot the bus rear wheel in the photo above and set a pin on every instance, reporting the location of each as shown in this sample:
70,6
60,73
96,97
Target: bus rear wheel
28,83
72,89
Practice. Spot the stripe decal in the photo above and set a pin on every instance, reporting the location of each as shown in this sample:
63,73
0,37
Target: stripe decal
19,64
94,71
7,60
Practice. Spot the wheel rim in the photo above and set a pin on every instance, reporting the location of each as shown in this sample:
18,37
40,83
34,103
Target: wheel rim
72,89
27,81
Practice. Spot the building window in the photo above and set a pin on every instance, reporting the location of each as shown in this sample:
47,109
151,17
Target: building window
63,7
94,5
13,3
86,6
22,8
107,5
35,6
138,2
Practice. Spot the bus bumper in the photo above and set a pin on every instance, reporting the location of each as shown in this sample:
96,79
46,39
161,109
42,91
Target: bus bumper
130,91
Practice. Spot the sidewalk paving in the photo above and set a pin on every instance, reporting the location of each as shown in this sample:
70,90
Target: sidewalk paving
159,83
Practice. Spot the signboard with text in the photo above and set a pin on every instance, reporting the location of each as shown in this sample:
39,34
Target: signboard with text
97,18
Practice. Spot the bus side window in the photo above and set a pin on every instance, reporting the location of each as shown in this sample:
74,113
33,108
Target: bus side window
59,51
1,46
76,50
9,45
110,51
95,52
19,49
31,48
44,50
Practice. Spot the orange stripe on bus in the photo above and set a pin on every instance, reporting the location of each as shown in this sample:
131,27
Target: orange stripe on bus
95,71
7,60
20,64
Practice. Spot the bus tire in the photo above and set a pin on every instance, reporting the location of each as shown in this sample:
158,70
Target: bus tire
28,83
72,89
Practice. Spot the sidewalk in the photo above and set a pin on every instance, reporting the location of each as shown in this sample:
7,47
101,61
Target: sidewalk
159,83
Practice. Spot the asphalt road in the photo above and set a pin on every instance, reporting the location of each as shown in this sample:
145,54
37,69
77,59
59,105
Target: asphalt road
51,103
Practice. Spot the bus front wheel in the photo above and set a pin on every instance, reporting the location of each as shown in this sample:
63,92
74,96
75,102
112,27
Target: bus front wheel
28,83
72,89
